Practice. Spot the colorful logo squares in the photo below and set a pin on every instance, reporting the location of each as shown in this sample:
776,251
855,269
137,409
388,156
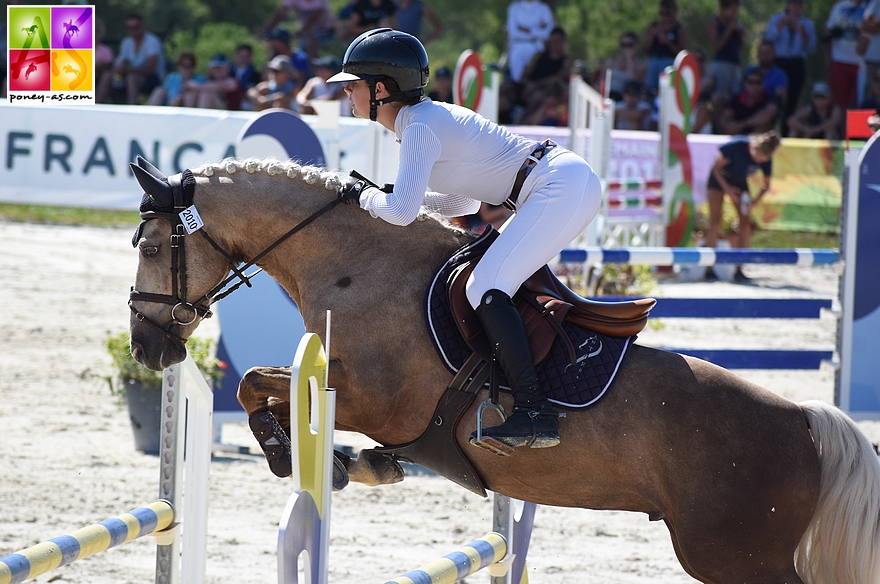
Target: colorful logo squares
51,48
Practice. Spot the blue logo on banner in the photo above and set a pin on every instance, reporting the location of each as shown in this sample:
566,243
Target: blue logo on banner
864,385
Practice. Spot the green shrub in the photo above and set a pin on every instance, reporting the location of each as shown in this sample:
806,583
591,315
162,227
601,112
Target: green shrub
127,369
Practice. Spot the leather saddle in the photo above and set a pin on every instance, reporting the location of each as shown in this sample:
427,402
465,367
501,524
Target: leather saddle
544,303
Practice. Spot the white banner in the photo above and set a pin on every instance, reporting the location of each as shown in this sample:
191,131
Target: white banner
78,156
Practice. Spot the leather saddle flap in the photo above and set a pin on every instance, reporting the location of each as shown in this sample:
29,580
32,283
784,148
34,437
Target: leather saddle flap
616,319
539,330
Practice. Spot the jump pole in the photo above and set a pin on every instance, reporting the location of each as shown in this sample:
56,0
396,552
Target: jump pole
183,390
700,256
485,552
88,541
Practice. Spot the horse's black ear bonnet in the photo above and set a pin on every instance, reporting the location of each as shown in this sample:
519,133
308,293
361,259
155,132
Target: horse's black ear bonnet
162,195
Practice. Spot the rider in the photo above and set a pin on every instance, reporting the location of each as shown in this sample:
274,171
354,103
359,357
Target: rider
553,192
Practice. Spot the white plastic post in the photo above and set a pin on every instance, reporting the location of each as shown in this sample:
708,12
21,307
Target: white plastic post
513,519
183,480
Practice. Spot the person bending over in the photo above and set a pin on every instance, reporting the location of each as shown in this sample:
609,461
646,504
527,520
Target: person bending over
738,159
553,192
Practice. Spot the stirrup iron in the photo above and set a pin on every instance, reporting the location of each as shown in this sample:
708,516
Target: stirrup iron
485,405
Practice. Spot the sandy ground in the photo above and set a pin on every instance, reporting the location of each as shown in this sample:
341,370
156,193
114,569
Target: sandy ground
67,455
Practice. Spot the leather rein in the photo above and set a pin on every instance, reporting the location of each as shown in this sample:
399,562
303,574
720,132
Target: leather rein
182,188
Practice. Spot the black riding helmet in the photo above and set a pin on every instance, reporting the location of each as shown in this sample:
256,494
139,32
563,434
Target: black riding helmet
384,52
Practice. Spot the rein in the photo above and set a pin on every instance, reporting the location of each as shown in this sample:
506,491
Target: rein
183,188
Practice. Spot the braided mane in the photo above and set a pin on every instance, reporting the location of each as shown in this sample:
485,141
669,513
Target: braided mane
332,181
272,167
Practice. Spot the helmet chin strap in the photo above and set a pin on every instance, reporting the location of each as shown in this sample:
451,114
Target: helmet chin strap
373,103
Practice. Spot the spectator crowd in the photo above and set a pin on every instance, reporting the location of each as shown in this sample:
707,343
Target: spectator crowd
736,96
293,76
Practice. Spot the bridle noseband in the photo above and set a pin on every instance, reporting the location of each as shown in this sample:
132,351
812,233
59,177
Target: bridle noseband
183,188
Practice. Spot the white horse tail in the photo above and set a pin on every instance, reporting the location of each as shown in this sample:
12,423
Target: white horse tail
842,543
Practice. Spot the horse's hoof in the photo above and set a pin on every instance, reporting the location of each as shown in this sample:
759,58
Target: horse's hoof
340,474
383,467
273,440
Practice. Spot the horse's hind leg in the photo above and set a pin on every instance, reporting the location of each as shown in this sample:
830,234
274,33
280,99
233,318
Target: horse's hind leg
264,393
743,570
719,553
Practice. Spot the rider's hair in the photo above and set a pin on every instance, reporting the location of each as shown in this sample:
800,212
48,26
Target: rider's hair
766,143
393,89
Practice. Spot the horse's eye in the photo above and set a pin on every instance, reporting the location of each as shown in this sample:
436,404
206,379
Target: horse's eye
150,250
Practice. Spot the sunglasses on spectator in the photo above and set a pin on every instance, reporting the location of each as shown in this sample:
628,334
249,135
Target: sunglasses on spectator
627,45
754,81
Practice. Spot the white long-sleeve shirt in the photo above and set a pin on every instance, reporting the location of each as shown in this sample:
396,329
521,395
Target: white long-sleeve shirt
453,151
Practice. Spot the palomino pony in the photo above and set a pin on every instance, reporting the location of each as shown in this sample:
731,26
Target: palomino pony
753,488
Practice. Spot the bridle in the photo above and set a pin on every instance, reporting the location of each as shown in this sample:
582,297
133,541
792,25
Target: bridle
182,188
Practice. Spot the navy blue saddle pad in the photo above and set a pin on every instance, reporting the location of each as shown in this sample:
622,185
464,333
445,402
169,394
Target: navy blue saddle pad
578,386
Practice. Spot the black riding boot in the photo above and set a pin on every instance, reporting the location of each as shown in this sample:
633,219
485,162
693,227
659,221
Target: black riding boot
534,422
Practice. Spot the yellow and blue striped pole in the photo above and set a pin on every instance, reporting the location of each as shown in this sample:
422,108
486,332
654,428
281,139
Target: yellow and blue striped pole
82,543
488,550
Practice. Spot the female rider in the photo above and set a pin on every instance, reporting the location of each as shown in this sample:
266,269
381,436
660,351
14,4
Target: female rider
553,192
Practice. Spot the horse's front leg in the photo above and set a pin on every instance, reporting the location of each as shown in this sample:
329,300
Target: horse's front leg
264,393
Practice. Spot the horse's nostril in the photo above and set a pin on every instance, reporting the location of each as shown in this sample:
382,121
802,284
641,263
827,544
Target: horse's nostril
137,351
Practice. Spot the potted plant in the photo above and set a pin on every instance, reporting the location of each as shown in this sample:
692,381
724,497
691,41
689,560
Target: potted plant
141,388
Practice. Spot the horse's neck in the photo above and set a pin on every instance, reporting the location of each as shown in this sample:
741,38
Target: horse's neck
342,248
371,275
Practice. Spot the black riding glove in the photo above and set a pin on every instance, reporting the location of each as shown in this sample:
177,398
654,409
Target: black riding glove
352,189
354,186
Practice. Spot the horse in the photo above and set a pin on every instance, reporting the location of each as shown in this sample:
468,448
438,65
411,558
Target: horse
752,487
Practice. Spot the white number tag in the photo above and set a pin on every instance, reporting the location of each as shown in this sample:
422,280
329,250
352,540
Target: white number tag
191,220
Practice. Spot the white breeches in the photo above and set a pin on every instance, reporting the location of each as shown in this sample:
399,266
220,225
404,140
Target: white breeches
557,201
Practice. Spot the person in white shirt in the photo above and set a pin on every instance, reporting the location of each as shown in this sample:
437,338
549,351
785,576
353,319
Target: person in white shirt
794,37
553,192
140,66
868,45
843,31
317,88
529,23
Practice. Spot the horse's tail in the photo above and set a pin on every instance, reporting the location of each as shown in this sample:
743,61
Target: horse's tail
842,542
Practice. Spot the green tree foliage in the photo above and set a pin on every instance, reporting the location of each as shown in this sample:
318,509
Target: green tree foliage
212,38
